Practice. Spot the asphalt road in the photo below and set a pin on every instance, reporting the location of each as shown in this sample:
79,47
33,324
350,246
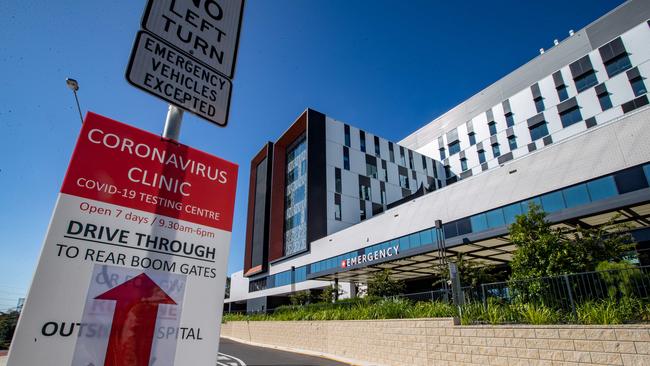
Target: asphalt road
234,354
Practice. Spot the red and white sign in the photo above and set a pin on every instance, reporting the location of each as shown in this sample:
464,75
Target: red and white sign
132,271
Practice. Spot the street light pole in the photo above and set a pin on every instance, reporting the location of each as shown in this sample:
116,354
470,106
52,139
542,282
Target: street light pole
74,86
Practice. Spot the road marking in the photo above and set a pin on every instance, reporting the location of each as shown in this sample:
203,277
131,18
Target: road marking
228,360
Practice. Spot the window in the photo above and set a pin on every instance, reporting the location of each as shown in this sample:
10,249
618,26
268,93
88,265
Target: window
454,148
371,169
576,196
472,138
604,99
376,145
495,150
403,178
538,131
382,189
618,64
384,171
337,180
570,116
346,158
424,163
347,135
362,210
481,156
463,164
362,140
562,92
295,239
402,158
638,86
539,104
337,207
411,165
510,119
448,173
364,191
442,153
586,81
391,152
493,128
512,142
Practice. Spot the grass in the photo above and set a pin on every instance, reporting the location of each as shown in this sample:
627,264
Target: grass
610,311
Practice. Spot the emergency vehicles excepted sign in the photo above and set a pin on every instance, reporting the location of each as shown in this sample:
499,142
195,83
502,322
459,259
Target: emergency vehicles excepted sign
159,69
206,29
132,271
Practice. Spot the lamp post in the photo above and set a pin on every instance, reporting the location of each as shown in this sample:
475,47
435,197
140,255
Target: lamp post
74,86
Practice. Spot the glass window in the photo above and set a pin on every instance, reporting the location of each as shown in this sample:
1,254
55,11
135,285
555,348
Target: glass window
496,151
362,210
454,148
602,188
337,180
618,64
404,243
371,170
510,213
472,139
525,204
450,230
376,145
538,131
362,140
337,207
605,101
346,158
479,223
347,135
539,104
414,240
552,202
571,116
426,237
630,180
493,128
495,218
576,196
481,156
295,238
562,93
586,81
510,119
646,169
364,192
403,181
512,142
391,152
638,86
442,153
463,164
464,226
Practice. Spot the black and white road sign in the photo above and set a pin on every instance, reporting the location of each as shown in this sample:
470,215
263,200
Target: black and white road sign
205,29
160,69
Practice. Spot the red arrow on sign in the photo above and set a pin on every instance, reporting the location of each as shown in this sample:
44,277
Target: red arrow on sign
134,320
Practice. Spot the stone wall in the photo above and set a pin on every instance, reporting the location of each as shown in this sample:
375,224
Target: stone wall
443,342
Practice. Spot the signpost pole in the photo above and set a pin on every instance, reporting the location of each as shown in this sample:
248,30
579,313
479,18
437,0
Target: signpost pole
173,122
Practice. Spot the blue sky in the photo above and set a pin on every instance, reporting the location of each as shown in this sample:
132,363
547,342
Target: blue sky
384,66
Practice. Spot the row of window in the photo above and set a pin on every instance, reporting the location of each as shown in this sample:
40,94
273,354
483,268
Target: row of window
625,181
616,60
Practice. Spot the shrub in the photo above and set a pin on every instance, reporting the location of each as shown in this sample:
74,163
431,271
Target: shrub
538,314
383,285
611,311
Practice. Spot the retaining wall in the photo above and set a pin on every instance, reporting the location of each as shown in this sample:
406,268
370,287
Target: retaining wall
442,341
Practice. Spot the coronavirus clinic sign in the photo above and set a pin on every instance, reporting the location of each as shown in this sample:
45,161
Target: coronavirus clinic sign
132,270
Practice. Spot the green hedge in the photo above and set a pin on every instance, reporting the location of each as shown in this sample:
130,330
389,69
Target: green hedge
611,311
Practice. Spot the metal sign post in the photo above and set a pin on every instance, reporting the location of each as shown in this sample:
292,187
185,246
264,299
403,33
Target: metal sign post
172,129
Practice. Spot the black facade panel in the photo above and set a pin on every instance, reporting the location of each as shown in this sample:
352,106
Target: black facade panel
548,140
490,115
566,105
590,122
612,50
532,147
259,247
557,79
506,107
316,177
535,120
635,103
505,157
601,89
633,74
466,174
581,67
536,92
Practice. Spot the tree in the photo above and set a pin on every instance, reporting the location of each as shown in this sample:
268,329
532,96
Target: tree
471,273
382,285
330,293
300,298
227,293
546,251
8,323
